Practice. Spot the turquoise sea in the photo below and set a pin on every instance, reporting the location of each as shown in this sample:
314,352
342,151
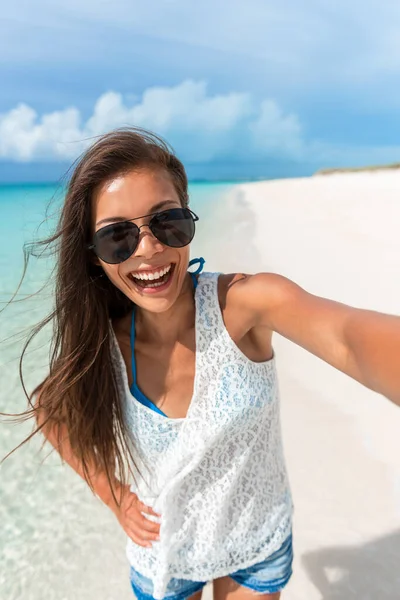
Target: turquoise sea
29,213
23,218
57,541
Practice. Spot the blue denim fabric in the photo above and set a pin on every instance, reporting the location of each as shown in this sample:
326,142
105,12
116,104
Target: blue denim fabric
272,574
267,577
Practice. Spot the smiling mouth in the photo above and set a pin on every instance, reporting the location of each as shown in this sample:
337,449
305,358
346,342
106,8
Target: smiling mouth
153,283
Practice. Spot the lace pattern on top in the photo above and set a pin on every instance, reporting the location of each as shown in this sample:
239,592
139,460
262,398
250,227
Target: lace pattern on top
218,476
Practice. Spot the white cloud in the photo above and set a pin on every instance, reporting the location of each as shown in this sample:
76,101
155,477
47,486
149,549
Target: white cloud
276,133
317,53
200,126
24,136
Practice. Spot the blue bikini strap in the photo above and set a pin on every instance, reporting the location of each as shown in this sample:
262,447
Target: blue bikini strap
193,274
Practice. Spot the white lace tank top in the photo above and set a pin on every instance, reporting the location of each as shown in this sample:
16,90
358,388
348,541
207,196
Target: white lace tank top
218,476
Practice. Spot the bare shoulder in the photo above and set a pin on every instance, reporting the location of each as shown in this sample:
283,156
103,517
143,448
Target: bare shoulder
243,296
244,291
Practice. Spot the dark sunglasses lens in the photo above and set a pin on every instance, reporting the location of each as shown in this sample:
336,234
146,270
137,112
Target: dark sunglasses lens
174,227
116,243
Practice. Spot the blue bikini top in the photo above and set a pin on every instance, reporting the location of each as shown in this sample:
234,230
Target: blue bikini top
135,391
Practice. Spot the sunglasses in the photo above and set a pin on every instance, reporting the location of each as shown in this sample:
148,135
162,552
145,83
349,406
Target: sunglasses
117,242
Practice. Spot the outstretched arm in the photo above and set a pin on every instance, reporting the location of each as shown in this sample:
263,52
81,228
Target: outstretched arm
363,344
373,342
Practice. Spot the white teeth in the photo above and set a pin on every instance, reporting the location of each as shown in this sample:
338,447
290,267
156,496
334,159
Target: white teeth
151,276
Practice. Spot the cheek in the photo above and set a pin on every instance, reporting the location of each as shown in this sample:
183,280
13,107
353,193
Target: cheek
184,255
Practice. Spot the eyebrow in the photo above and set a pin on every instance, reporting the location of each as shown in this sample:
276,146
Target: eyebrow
154,209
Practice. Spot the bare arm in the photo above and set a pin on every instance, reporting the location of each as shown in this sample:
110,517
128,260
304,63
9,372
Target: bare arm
53,433
363,344
373,340
128,510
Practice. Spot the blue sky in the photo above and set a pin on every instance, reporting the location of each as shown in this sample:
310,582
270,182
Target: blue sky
272,88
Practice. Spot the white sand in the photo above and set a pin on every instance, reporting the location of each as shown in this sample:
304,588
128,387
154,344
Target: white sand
337,236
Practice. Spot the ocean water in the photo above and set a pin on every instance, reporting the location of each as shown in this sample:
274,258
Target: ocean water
30,211
57,541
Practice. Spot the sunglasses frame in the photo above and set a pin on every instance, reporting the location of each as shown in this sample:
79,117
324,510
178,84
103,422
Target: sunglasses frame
152,215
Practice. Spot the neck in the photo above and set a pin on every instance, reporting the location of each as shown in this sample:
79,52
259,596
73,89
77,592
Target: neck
167,327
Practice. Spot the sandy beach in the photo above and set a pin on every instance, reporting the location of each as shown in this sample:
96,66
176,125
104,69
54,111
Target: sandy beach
337,236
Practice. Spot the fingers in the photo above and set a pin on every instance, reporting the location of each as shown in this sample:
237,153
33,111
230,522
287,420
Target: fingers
141,526
137,539
135,516
149,526
147,509
145,528
141,536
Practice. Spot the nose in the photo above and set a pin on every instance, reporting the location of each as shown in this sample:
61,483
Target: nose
148,245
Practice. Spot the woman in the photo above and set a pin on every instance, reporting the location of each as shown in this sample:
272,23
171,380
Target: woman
162,389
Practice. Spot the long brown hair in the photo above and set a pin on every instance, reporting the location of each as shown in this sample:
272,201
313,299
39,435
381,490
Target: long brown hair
81,389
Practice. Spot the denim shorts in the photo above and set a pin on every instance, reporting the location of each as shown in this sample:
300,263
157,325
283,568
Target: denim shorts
267,577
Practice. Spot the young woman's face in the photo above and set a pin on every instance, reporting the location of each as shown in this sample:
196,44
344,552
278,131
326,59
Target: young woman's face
133,195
